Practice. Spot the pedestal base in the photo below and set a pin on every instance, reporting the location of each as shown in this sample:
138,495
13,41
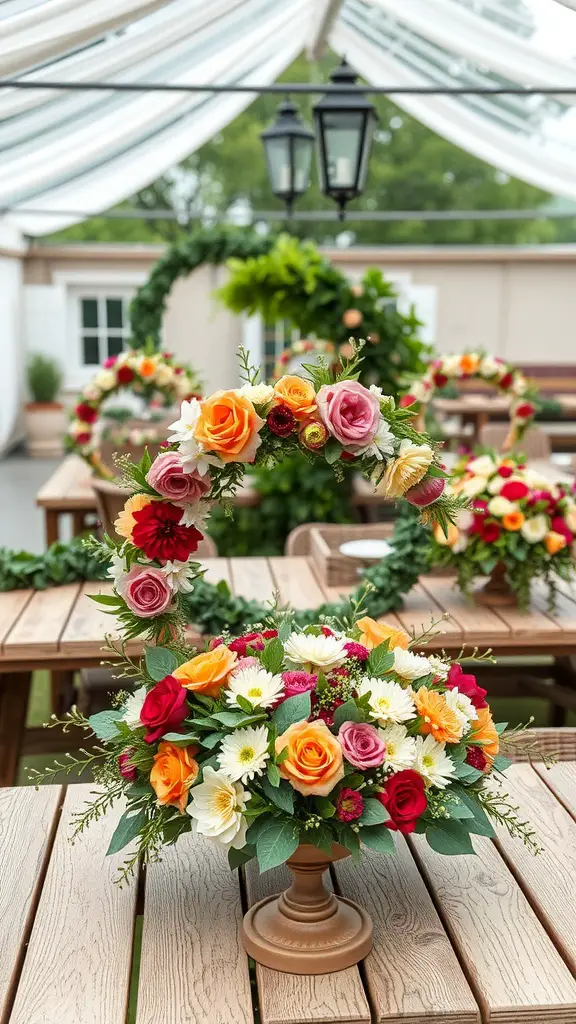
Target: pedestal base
497,591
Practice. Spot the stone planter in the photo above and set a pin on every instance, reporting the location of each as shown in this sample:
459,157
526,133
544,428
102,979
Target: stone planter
45,429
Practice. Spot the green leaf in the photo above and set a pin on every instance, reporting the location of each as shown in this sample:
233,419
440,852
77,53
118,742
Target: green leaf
258,825
449,837
276,844
332,451
104,725
294,709
322,838
236,858
458,809
325,808
160,662
236,719
180,739
281,757
244,704
378,838
352,780
381,660
347,712
126,830
501,763
500,727
273,774
373,813
282,795
480,824
106,599
211,740
272,657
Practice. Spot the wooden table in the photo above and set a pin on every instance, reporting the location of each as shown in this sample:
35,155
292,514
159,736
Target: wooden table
458,940
60,629
478,409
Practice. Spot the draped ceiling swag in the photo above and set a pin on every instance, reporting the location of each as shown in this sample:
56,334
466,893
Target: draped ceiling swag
86,151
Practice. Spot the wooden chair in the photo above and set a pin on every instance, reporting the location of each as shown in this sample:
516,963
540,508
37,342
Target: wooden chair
535,444
110,499
298,541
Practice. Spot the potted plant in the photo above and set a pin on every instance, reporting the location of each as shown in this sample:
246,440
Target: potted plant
45,417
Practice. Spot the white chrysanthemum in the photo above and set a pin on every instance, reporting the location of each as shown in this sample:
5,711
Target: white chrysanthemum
257,685
451,365
400,747
500,506
489,367
483,465
462,707
179,576
410,666
389,702
183,428
244,753
438,667
496,484
535,529
196,514
432,762
133,707
382,444
117,567
460,544
216,807
473,486
105,380
570,517
258,394
322,652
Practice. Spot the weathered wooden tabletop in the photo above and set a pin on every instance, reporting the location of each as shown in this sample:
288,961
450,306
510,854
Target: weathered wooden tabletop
457,939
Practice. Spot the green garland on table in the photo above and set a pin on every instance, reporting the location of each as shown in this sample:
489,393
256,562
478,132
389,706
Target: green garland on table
70,562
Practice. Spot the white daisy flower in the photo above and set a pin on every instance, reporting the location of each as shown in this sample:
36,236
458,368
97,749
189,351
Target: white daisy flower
382,443
438,667
216,807
196,514
473,486
244,753
117,567
183,428
322,652
482,465
389,702
257,685
410,666
500,506
432,762
400,747
462,707
489,367
496,484
179,576
534,530
258,394
133,707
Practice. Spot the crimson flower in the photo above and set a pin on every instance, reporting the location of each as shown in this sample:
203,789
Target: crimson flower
490,532
506,381
164,708
514,490
505,471
298,682
84,437
358,651
406,400
124,375
281,421
126,769
86,413
466,683
440,380
404,797
476,758
159,534
559,525
349,805
525,410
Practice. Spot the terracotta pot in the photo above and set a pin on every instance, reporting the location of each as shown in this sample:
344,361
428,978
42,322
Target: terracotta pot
45,429
308,929
497,591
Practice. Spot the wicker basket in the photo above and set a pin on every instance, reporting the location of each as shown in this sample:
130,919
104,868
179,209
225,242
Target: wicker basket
561,742
335,568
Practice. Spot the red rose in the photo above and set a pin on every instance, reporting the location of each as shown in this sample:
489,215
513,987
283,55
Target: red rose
505,471
83,438
477,524
124,375
440,380
164,708
406,400
514,490
490,532
559,525
506,381
281,421
525,410
466,683
86,413
159,535
241,643
404,797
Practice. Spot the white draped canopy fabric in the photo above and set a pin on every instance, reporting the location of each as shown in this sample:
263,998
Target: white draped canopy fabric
79,151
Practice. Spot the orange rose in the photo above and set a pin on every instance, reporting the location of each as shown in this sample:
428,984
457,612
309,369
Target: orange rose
173,772
228,424
126,522
298,394
446,539
314,764
554,542
484,731
437,718
469,363
147,367
513,520
375,633
207,673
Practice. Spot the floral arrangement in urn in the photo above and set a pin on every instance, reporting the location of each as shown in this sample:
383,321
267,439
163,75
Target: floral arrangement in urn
521,527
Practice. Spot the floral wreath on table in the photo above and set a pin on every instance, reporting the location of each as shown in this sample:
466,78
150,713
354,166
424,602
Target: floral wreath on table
519,519
482,366
310,347
339,732
151,375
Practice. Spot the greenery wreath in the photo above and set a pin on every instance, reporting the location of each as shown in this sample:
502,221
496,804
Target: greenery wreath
151,375
482,366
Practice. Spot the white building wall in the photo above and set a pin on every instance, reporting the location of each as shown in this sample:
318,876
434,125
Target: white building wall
12,390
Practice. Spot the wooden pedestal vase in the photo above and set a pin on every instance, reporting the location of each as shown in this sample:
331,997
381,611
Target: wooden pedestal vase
308,929
497,591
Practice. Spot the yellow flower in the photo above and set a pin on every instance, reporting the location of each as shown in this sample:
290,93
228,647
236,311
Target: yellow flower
375,633
407,469
126,522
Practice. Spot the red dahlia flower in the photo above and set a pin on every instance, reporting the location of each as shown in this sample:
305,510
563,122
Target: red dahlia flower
281,421
125,375
358,651
159,535
86,413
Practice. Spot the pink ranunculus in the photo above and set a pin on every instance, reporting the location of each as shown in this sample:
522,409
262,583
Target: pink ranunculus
361,745
350,412
146,591
167,476
297,682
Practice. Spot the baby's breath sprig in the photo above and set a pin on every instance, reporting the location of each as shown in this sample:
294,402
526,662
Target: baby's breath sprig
504,812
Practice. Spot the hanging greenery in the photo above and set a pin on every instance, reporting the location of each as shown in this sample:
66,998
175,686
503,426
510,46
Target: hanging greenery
69,562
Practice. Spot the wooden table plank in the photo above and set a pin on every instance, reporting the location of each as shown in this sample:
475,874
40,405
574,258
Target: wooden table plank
296,581
303,999
561,779
42,622
193,967
217,569
27,822
564,614
12,604
69,487
84,633
533,624
420,609
77,968
480,626
548,880
511,963
412,973
252,579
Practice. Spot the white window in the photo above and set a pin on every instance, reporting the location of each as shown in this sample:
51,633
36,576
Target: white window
102,326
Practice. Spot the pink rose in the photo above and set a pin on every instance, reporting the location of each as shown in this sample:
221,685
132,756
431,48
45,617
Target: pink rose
361,745
350,412
146,591
167,476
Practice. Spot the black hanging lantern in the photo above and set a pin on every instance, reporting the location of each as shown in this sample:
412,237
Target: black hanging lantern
345,123
288,146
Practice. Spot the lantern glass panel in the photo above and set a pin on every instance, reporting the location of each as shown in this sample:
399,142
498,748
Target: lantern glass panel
343,134
279,165
302,162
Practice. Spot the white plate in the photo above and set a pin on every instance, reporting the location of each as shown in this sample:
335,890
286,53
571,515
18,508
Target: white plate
368,548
